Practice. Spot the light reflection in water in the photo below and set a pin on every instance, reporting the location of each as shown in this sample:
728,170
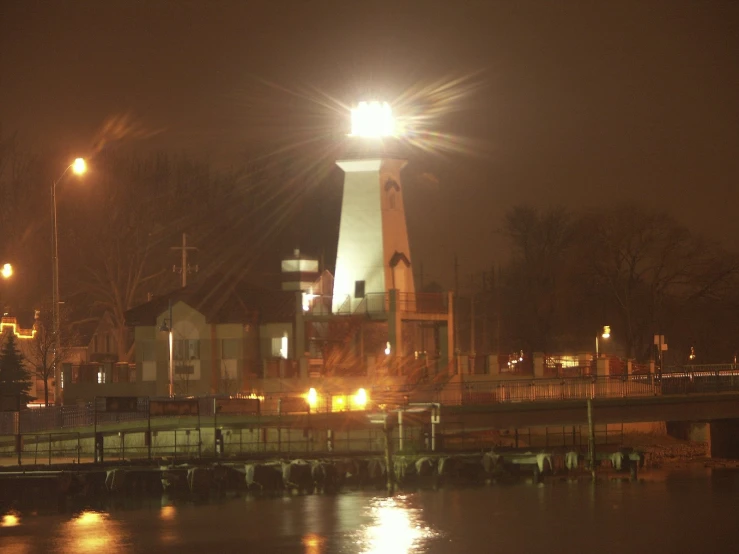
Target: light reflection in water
10,520
313,543
395,528
167,513
91,532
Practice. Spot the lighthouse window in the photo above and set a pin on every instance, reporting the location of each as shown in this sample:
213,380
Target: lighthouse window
358,289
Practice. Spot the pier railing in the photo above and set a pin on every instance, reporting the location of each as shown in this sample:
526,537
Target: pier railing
684,382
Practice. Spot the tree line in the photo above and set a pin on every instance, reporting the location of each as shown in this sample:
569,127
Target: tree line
118,224
635,269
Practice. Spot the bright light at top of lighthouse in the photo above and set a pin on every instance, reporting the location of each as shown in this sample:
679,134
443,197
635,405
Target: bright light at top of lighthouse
373,119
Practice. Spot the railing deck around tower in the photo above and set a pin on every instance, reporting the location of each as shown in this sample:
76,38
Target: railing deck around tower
421,305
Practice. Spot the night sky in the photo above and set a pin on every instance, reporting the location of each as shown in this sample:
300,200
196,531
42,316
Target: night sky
565,103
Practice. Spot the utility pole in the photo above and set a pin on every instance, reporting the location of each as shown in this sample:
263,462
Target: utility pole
472,316
484,346
496,292
185,268
456,312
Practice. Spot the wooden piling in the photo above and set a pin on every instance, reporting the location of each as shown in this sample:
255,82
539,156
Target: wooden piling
387,431
591,438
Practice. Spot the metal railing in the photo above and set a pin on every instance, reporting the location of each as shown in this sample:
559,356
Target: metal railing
687,381
573,388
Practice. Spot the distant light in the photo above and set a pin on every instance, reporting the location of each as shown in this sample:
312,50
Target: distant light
7,271
606,332
283,347
312,398
360,399
373,120
79,166
387,349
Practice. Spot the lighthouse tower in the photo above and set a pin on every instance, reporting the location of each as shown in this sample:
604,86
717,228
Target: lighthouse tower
373,254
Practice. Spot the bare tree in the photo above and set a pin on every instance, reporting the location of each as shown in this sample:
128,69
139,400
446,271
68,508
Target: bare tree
539,276
644,259
41,353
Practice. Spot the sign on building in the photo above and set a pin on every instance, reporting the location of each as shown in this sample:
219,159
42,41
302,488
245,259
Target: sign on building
238,406
117,404
173,408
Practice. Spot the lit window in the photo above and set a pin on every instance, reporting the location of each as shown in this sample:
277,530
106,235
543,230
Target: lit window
279,347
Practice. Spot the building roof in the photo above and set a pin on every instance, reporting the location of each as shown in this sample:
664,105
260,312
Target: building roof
221,302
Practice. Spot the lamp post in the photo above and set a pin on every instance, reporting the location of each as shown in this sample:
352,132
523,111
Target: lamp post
605,334
78,167
167,327
6,272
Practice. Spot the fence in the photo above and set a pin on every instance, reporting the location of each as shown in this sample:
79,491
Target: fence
256,442
573,388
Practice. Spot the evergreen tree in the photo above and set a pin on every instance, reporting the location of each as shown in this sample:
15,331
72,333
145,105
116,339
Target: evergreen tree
14,378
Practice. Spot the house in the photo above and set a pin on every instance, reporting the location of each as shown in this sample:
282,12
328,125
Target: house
93,359
222,337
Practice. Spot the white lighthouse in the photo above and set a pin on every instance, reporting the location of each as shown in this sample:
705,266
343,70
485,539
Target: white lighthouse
373,254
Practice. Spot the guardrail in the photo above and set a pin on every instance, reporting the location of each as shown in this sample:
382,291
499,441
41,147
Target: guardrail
567,388
682,382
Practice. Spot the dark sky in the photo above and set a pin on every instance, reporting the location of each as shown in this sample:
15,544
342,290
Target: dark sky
582,103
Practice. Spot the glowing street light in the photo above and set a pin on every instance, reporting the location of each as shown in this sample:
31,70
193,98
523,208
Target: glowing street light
312,397
360,399
6,271
605,334
78,167
373,120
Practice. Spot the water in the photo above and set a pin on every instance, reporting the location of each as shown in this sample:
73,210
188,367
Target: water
674,513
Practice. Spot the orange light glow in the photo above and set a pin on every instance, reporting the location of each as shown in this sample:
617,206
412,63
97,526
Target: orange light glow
79,166
6,271
312,398
12,324
167,513
313,543
89,518
10,520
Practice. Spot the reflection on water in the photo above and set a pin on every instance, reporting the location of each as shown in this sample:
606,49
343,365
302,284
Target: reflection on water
395,529
91,532
167,513
313,543
10,520
679,514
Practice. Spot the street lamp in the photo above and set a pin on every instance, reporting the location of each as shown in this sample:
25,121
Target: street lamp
78,167
6,271
605,334
168,327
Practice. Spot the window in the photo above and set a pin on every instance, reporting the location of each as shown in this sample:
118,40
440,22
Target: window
279,347
148,351
95,343
187,349
358,289
107,344
229,349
